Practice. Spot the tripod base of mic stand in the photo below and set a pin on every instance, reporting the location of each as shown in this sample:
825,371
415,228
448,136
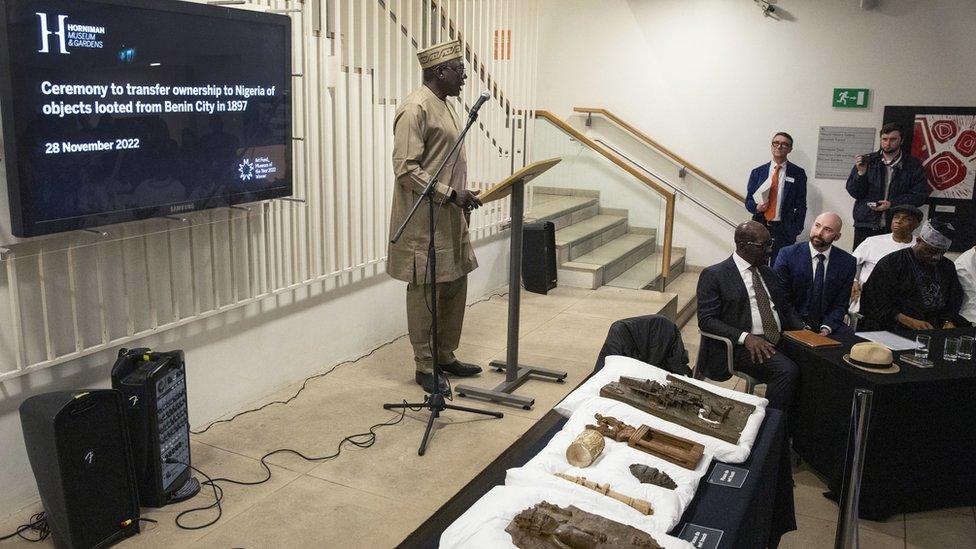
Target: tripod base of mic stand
503,392
435,403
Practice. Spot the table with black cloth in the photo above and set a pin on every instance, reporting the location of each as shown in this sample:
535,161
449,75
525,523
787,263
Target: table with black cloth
755,515
922,433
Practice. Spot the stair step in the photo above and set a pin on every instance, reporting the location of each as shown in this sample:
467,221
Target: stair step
606,262
686,286
585,236
562,210
647,271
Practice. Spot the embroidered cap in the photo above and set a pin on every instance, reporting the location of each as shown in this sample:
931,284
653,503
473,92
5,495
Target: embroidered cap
937,233
435,55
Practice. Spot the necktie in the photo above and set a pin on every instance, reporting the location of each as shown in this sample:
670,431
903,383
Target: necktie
770,212
815,314
770,330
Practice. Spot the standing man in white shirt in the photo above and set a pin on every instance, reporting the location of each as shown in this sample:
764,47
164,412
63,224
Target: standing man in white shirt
776,195
966,269
904,220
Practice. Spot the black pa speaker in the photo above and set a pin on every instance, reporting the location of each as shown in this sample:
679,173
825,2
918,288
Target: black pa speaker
539,257
78,448
153,386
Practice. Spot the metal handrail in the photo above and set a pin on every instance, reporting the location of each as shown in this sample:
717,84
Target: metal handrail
727,221
679,161
667,195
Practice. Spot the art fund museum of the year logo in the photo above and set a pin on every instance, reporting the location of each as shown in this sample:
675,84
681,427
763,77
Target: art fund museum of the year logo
57,34
257,169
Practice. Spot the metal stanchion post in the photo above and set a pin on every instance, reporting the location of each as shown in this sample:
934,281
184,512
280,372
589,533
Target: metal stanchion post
850,495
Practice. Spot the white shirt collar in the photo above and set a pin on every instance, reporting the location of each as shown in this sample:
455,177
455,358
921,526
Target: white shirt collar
742,264
814,252
896,161
781,166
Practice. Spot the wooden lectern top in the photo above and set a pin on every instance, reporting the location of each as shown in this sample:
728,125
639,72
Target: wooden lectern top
526,174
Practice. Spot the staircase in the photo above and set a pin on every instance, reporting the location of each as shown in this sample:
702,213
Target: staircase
598,246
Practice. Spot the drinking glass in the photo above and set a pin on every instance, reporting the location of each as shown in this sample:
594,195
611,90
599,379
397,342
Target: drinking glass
922,345
966,347
951,349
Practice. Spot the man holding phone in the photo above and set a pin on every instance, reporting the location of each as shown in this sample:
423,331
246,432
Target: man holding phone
883,179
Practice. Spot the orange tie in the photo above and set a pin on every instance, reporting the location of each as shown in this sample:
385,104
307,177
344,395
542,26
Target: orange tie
770,212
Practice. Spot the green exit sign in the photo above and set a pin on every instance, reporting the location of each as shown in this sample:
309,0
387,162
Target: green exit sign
851,98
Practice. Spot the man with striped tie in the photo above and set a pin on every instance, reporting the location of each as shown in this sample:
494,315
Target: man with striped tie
776,195
742,299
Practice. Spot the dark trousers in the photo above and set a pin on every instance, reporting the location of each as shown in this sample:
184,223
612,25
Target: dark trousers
780,374
781,238
860,233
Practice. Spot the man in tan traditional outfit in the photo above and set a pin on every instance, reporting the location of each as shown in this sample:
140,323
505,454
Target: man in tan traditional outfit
424,130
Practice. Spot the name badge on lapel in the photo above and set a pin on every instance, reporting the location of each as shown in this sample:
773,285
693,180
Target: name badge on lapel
789,180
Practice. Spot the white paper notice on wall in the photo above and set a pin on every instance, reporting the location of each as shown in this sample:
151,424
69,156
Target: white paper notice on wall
837,147
941,208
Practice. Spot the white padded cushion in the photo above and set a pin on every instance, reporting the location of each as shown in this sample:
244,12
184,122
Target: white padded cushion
483,525
613,465
617,366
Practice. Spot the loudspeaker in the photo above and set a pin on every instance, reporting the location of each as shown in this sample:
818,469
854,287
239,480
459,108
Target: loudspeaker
153,387
539,257
78,448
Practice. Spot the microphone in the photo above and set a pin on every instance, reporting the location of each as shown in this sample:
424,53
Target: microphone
485,96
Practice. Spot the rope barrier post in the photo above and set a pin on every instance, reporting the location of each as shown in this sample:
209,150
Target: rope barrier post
847,516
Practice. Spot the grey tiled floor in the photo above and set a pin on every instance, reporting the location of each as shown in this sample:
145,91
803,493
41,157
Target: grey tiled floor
374,497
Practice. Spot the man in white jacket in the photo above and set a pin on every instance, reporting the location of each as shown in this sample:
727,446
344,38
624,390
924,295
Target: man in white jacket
905,219
966,269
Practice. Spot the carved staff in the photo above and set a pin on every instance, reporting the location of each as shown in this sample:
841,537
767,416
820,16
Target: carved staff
681,451
641,505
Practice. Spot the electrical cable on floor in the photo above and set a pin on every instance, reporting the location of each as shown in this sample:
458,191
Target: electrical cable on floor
360,440
327,372
304,384
37,524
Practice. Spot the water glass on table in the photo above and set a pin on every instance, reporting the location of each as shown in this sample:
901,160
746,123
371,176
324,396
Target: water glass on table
966,347
951,349
922,342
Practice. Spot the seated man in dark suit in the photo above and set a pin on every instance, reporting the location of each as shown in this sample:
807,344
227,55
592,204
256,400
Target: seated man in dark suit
818,276
743,299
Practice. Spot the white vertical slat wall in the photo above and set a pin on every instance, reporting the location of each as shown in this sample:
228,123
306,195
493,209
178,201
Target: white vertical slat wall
71,295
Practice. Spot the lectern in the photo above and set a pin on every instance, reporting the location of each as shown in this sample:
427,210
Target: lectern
515,374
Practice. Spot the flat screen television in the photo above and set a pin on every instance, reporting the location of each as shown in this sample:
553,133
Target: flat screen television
116,110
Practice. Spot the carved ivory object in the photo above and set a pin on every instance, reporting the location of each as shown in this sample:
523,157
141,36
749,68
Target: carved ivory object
585,449
641,505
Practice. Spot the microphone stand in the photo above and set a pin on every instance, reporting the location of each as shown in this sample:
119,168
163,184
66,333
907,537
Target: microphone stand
435,402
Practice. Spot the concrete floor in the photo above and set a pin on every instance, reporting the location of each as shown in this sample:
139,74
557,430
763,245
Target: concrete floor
374,497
